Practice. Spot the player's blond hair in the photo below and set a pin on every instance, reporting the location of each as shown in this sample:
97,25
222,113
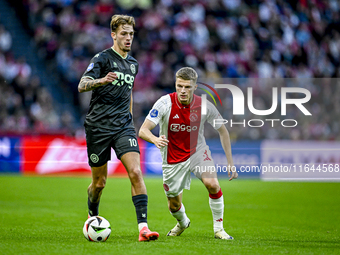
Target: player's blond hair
187,73
118,20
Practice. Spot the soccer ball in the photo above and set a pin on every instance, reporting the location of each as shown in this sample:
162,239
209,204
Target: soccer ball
97,229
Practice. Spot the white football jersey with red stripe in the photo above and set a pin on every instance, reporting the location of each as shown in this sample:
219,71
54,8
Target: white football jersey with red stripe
183,126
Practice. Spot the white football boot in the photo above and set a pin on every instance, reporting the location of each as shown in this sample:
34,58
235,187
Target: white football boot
177,230
221,234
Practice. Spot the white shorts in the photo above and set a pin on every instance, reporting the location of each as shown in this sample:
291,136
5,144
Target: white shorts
177,177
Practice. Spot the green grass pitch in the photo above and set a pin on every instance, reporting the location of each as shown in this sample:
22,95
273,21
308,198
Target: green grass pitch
45,215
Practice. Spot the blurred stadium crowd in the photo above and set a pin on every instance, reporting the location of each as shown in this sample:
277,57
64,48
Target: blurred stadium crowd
231,39
25,105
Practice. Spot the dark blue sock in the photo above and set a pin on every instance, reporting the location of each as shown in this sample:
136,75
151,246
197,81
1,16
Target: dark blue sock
93,207
141,205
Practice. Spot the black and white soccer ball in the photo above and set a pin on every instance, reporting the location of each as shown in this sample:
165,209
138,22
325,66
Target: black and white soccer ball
97,229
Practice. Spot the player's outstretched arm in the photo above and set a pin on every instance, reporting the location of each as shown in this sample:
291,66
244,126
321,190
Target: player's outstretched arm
225,141
145,134
87,84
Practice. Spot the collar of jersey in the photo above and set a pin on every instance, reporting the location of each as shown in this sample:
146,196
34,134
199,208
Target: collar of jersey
180,105
118,53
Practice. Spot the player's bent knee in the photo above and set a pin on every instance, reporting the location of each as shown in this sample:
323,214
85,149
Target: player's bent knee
174,207
213,187
135,175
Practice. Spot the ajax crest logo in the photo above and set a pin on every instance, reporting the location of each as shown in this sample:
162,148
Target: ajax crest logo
193,117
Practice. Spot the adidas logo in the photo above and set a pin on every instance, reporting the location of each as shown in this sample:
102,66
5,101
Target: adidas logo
176,116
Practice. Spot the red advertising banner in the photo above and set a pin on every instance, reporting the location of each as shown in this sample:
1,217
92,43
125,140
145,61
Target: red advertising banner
60,155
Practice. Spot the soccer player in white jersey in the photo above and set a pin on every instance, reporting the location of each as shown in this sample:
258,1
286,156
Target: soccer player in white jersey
184,149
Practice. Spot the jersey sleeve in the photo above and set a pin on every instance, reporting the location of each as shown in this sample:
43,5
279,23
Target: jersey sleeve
94,69
213,114
158,110
137,68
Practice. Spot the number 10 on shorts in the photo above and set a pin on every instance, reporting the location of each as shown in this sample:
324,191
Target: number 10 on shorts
133,142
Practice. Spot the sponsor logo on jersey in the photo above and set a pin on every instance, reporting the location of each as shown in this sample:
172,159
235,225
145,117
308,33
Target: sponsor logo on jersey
154,113
133,68
179,127
90,67
127,78
115,65
193,117
176,116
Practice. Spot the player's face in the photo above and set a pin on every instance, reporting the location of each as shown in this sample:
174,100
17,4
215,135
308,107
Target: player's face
123,37
185,90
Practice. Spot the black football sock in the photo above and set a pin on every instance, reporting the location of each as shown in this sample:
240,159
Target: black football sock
141,205
93,207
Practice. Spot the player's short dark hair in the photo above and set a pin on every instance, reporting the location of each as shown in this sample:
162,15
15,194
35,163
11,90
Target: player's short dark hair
187,73
118,20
